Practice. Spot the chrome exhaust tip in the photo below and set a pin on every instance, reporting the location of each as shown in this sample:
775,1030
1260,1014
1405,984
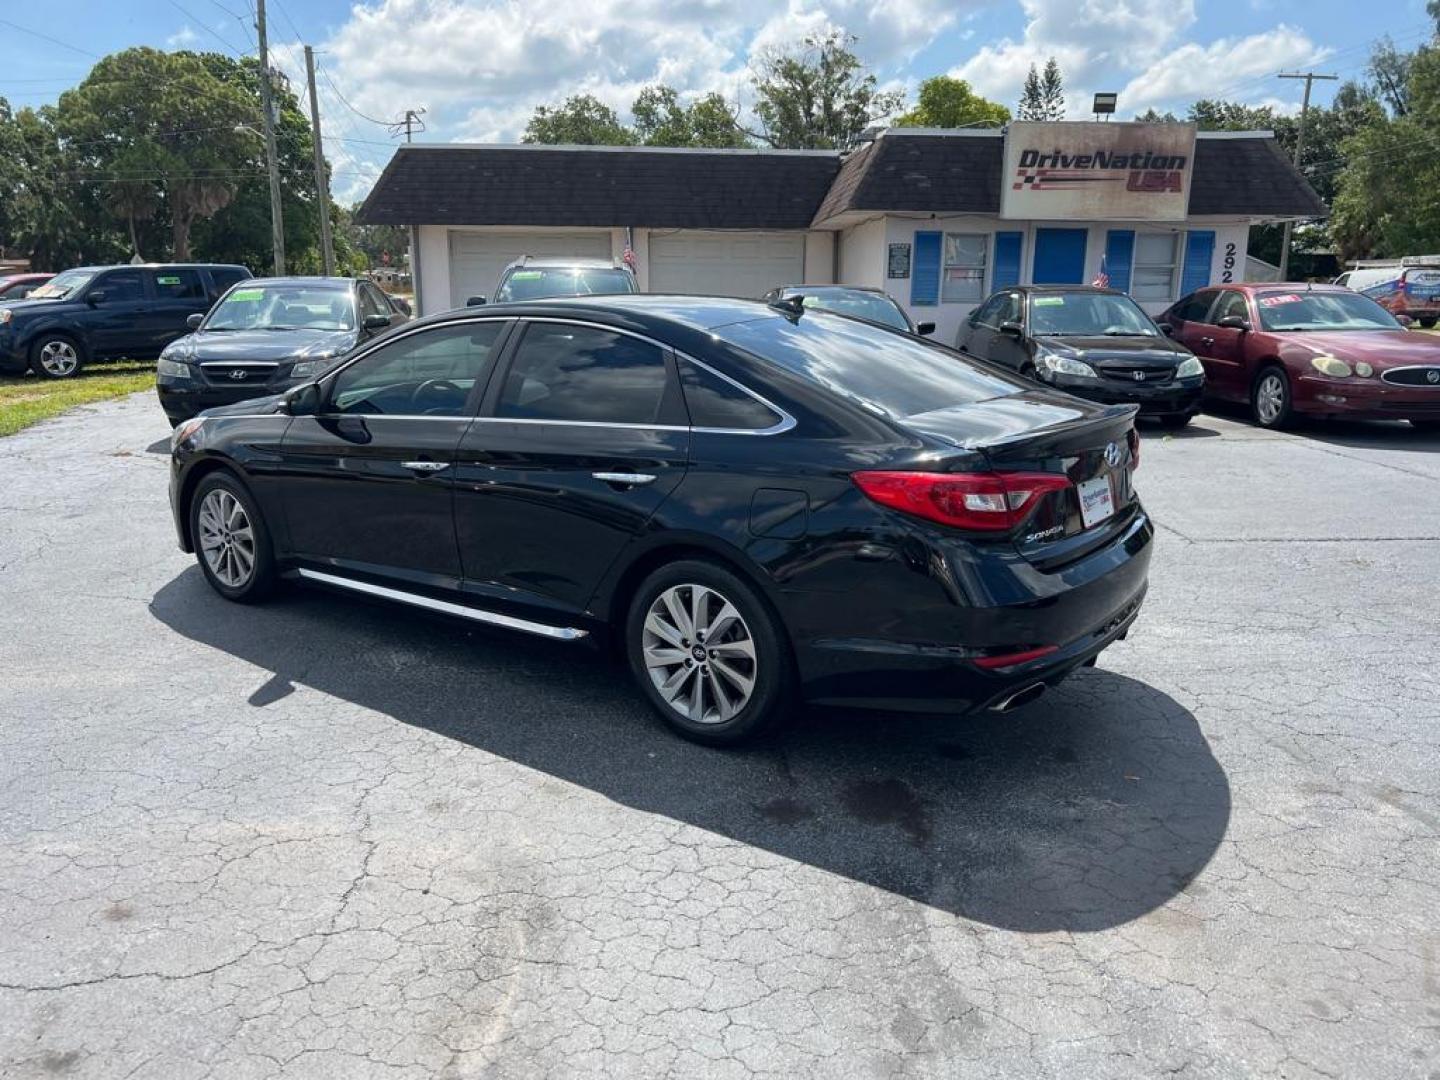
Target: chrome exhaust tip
1023,696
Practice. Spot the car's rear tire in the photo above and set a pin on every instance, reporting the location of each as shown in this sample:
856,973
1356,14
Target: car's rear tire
1271,402
1428,323
708,653
57,356
232,543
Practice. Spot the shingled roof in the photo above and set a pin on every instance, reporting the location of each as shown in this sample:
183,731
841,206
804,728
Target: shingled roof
600,186
1240,174
1236,174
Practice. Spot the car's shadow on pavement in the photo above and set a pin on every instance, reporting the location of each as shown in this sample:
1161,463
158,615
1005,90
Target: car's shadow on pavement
1081,812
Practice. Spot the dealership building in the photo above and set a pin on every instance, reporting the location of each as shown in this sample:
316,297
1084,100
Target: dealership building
936,218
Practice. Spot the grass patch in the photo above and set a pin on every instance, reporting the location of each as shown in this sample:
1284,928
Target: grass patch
27,399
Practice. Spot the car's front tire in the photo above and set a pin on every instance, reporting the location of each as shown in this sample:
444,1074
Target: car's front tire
57,356
708,653
232,544
1270,399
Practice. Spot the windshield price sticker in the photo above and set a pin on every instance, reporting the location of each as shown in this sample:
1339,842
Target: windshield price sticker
1283,298
246,294
1048,301
163,280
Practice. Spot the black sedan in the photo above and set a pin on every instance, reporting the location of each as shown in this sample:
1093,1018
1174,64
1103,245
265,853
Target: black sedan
872,305
266,335
754,505
1095,343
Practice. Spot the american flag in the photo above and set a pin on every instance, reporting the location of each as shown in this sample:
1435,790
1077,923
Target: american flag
629,257
1102,279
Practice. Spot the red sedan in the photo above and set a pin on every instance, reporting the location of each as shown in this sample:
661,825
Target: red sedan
19,286
1316,350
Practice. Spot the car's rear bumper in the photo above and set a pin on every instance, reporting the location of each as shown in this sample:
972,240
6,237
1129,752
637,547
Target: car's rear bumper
1365,399
900,665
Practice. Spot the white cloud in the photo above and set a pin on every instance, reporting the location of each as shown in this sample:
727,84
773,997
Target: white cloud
184,38
1230,67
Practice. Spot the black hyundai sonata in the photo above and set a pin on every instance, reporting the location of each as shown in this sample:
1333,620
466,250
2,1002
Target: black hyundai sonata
755,505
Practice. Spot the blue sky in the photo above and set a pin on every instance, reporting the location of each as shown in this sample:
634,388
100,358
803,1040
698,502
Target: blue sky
479,68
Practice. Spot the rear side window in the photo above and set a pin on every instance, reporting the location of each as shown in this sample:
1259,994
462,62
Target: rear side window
884,371
565,372
715,402
181,283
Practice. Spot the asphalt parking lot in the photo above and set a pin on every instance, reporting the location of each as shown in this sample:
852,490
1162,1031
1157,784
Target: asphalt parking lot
327,839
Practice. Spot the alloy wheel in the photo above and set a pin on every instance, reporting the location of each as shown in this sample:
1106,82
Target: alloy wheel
699,653
1269,398
59,358
227,538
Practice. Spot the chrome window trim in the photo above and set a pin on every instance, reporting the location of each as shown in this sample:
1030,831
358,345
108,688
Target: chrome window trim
558,633
241,363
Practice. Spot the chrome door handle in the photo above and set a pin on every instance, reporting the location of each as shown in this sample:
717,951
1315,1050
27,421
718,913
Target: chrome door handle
425,466
635,479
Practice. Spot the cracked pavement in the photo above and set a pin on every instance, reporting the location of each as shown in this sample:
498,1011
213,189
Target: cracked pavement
322,838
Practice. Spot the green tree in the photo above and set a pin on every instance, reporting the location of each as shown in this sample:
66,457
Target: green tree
817,95
1043,95
662,120
946,102
581,120
145,116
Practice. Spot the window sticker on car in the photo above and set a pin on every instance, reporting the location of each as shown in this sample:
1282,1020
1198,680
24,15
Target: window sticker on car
164,280
1049,301
526,275
247,294
1283,298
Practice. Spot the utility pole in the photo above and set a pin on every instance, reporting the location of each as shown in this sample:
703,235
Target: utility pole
322,187
1309,77
412,119
277,222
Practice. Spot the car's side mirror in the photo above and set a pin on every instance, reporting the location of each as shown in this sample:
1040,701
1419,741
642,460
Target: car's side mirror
925,329
95,296
1166,329
303,400
1011,327
1234,322
377,322
474,301
194,321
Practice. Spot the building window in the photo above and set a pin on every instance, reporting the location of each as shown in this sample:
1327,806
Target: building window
964,273
1155,264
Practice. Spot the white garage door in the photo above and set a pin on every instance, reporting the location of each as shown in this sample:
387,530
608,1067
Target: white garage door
725,263
476,259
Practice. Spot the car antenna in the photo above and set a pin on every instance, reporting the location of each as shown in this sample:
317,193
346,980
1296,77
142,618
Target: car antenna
791,305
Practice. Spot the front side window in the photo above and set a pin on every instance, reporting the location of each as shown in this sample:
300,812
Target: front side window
431,373
566,372
1012,309
122,285
1153,276
181,283
225,276
988,313
964,273
372,303
1232,305
539,282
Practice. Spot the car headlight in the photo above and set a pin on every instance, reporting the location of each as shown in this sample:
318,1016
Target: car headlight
185,430
314,365
1332,366
5,315
1189,367
1064,365
1364,370
171,368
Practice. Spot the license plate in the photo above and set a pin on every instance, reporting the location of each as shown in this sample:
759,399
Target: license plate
1097,501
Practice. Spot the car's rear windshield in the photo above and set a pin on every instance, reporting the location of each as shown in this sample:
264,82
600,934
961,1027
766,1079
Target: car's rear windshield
538,283
63,285
886,372
283,307
1083,314
1291,310
861,305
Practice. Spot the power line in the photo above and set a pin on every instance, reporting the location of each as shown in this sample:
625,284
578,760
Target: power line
47,37
346,102
205,26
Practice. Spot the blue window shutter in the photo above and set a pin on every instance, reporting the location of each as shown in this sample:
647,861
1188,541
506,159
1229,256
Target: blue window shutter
1199,248
1119,257
925,279
1007,260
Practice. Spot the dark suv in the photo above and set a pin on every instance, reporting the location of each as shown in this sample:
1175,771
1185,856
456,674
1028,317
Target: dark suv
102,312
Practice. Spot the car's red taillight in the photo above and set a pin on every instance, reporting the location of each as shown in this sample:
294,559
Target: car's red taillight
983,501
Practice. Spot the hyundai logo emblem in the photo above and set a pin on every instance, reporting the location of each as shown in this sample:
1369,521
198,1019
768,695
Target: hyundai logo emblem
1113,455
1138,376
1432,376
238,373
